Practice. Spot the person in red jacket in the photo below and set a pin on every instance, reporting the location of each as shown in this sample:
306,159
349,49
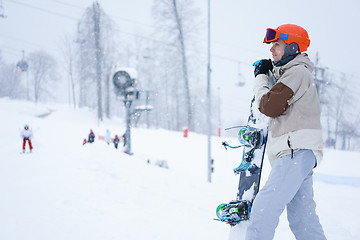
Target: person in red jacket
91,136
27,135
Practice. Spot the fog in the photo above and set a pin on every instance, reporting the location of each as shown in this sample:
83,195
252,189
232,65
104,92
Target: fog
237,31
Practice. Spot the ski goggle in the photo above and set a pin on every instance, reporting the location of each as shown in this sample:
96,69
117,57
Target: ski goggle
273,35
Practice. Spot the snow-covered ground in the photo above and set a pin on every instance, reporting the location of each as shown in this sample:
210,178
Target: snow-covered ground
64,190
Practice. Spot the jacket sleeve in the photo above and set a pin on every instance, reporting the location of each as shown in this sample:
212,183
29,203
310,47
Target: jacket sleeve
261,87
276,101
271,102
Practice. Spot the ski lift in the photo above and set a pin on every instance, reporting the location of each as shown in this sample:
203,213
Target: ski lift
22,65
240,78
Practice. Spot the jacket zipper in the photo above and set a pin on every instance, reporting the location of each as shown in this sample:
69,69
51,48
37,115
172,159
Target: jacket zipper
289,144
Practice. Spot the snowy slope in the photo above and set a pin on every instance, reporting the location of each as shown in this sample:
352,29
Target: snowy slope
68,191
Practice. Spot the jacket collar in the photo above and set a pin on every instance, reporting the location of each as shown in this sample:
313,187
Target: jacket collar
300,59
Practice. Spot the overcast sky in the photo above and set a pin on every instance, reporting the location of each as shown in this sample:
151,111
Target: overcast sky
237,29
237,26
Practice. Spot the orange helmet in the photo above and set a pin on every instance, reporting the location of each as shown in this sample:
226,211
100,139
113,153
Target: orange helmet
289,33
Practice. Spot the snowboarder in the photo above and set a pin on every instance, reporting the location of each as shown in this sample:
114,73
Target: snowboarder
295,137
27,135
108,137
91,136
116,141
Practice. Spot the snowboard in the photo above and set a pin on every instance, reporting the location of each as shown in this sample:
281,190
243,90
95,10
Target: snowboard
252,138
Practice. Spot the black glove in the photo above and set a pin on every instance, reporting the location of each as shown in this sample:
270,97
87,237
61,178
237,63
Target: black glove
263,66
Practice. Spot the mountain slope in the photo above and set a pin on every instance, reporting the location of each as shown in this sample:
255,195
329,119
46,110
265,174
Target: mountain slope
68,191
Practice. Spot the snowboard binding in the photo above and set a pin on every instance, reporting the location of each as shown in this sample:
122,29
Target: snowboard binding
251,137
233,212
248,137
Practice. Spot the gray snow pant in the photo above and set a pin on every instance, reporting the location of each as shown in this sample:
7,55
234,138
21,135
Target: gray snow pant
290,184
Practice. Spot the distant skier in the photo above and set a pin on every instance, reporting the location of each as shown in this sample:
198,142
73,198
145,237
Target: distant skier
91,136
27,135
116,141
108,137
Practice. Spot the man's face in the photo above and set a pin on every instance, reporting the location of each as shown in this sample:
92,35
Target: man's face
277,49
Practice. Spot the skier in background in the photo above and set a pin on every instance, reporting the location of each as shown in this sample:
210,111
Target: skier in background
116,141
91,138
295,137
108,137
27,135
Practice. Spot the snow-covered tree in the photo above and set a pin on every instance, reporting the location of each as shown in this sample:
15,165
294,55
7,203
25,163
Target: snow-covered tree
43,72
96,57
68,57
180,65
340,112
175,23
10,81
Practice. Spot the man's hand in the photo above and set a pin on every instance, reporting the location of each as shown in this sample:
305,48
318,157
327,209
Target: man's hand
263,66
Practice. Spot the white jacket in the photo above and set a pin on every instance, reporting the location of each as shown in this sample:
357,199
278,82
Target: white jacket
293,107
27,134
